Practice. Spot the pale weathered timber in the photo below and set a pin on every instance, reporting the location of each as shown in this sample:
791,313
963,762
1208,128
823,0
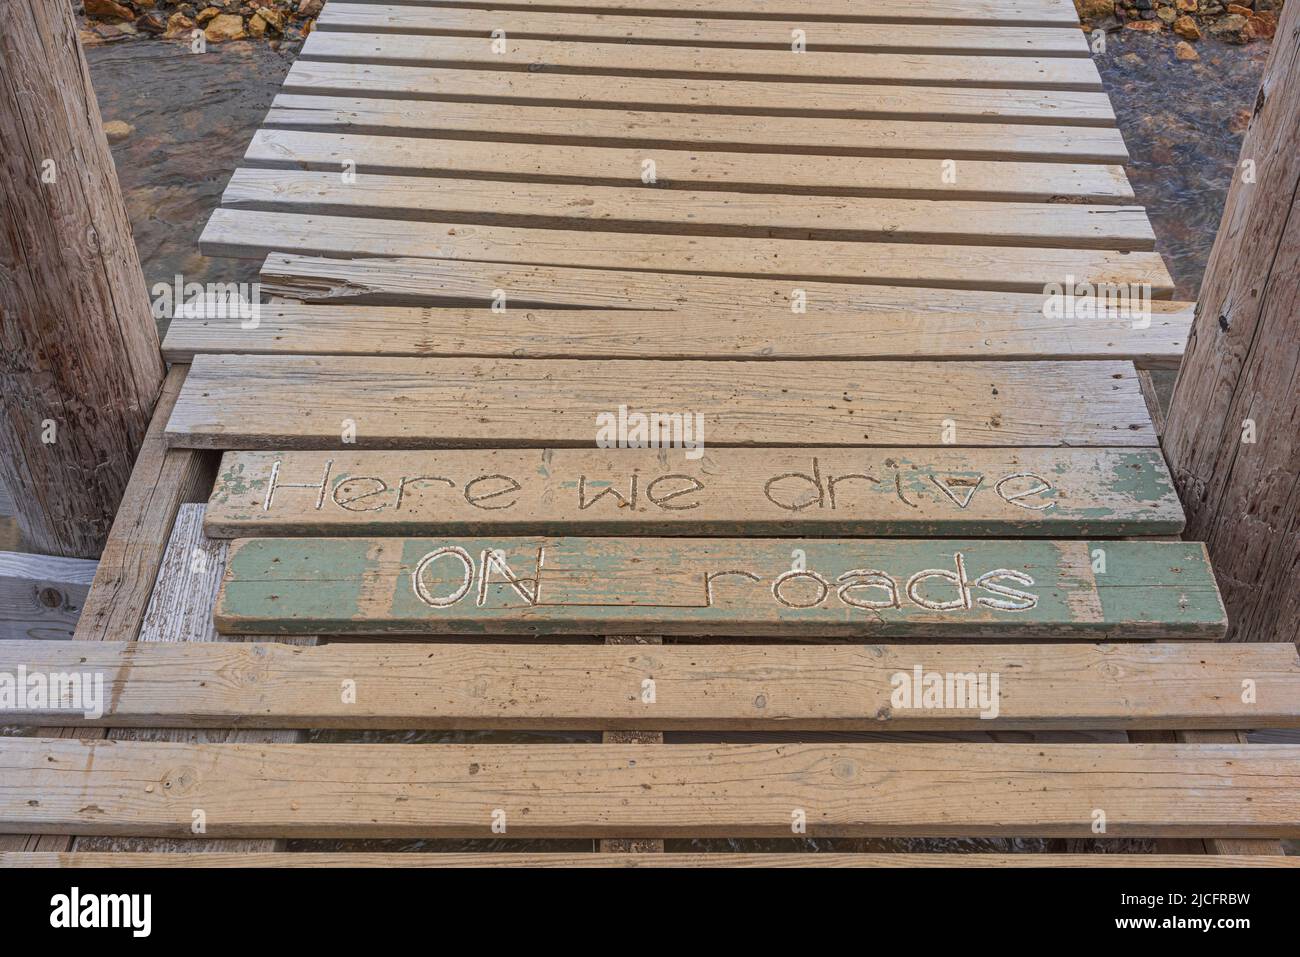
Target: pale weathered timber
41,595
323,402
857,688
700,31
1028,72
797,135
81,369
1231,434
255,234
641,209
677,170
831,492
632,845
1018,332
774,587
684,95
684,790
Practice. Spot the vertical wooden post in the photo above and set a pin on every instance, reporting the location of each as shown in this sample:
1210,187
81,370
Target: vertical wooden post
80,367
1233,432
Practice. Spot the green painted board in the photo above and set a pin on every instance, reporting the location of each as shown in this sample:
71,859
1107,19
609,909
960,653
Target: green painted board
810,492
794,588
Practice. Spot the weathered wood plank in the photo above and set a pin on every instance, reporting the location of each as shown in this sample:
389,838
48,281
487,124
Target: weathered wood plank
686,790
704,333
918,69
797,135
677,170
255,234
1032,492
284,402
699,31
793,587
641,209
684,95
6,502
699,687
41,596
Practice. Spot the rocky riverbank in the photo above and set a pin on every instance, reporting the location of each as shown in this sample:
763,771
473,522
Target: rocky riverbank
200,21
1238,22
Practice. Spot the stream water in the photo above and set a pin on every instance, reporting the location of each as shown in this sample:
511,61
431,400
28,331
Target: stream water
193,115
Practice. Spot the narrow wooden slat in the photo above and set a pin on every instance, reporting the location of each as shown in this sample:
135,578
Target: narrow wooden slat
699,31
678,94
681,171
255,234
798,135
699,687
1030,492
919,69
641,209
41,595
966,790
761,587
275,402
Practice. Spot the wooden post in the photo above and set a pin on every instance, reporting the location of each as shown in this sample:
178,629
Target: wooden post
80,367
1233,433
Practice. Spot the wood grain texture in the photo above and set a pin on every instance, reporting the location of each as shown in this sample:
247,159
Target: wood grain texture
285,402
852,688
686,790
677,170
1028,72
684,95
255,234
706,333
698,31
41,596
1021,492
640,209
794,135
777,587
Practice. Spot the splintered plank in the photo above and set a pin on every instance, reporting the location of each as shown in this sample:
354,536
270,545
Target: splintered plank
799,135
253,233
700,687
1035,492
680,170
699,31
773,587
919,69
677,94
648,791
706,334
641,209
284,402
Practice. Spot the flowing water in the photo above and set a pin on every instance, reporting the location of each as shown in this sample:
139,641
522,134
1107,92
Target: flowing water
193,115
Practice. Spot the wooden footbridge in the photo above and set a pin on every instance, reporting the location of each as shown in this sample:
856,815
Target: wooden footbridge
907,564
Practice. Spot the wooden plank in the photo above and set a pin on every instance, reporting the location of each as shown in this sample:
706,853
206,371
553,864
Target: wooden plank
642,209
1053,13
798,135
678,171
285,402
699,31
41,595
677,94
317,859
620,845
704,334
1229,846
425,282
686,790
854,688
623,59
255,234
1021,492
761,587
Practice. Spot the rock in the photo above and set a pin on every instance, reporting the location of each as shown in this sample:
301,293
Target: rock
1185,51
179,26
116,130
1230,29
225,26
1239,121
1261,26
1210,8
256,27
151,23
1239,10
307,27
1144,26
1167,14
1187,6
311,8
1269,5
1186,28
1088,9
273,18
108,10
144,4
206,14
